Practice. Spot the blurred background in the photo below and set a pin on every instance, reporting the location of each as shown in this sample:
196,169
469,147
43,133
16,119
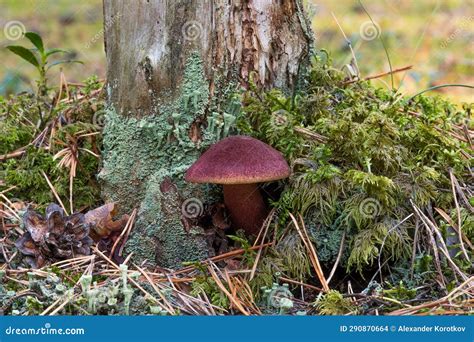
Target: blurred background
436,37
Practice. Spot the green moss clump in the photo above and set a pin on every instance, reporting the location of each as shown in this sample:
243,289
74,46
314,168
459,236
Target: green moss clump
361,156
30,123
333,303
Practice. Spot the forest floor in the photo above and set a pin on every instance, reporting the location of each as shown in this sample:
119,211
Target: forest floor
380,221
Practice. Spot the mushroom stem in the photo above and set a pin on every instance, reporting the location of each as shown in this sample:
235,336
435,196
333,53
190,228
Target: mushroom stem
246,206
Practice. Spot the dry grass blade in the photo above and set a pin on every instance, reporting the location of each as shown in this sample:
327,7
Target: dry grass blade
53,189
348,43
448,219
13,212
167,306
234,300
69,295
147,294
313,135
265,227
311,252
222,257
295,282
128,226
243,290
458,291
189,299
338,259
431,226
458,211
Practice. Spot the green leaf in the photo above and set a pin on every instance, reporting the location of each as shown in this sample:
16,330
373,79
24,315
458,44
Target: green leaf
53,51
36,40
63,62
24,53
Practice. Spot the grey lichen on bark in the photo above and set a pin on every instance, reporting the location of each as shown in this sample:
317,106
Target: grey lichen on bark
173,69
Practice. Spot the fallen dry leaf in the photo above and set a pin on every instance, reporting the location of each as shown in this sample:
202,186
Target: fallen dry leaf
102,221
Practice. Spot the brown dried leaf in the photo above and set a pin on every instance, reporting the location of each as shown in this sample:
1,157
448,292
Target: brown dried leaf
219,217
26,245
35,224
102,222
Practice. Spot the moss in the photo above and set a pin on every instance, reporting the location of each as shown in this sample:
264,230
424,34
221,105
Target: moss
145,160
361,156
22,118
333,303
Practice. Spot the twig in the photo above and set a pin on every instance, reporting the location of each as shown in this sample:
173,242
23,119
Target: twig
432,227
394,71
287,280
219,283
14,154
311,252
265,227
339,255
168,307
222,257
128,277
54,192
348,44
458,211
127,227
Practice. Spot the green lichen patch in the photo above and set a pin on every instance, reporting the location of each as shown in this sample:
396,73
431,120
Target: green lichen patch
144,156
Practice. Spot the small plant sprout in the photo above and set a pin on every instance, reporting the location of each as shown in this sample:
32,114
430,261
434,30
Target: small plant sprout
85,282
39,58
60,288
102,297
286,304
156,310
2,275
31,279
123,272
112,302
135,275
127,294
91,300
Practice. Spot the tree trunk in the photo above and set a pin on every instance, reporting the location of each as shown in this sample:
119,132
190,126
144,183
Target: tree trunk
173,69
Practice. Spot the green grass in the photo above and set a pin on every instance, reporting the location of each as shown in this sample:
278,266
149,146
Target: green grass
434,36
435,39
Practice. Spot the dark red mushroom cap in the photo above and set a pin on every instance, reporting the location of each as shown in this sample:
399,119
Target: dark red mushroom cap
238,160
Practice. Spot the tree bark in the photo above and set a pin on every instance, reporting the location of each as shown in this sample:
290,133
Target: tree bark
173,69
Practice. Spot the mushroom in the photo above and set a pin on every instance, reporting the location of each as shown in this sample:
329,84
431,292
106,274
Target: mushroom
240,163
